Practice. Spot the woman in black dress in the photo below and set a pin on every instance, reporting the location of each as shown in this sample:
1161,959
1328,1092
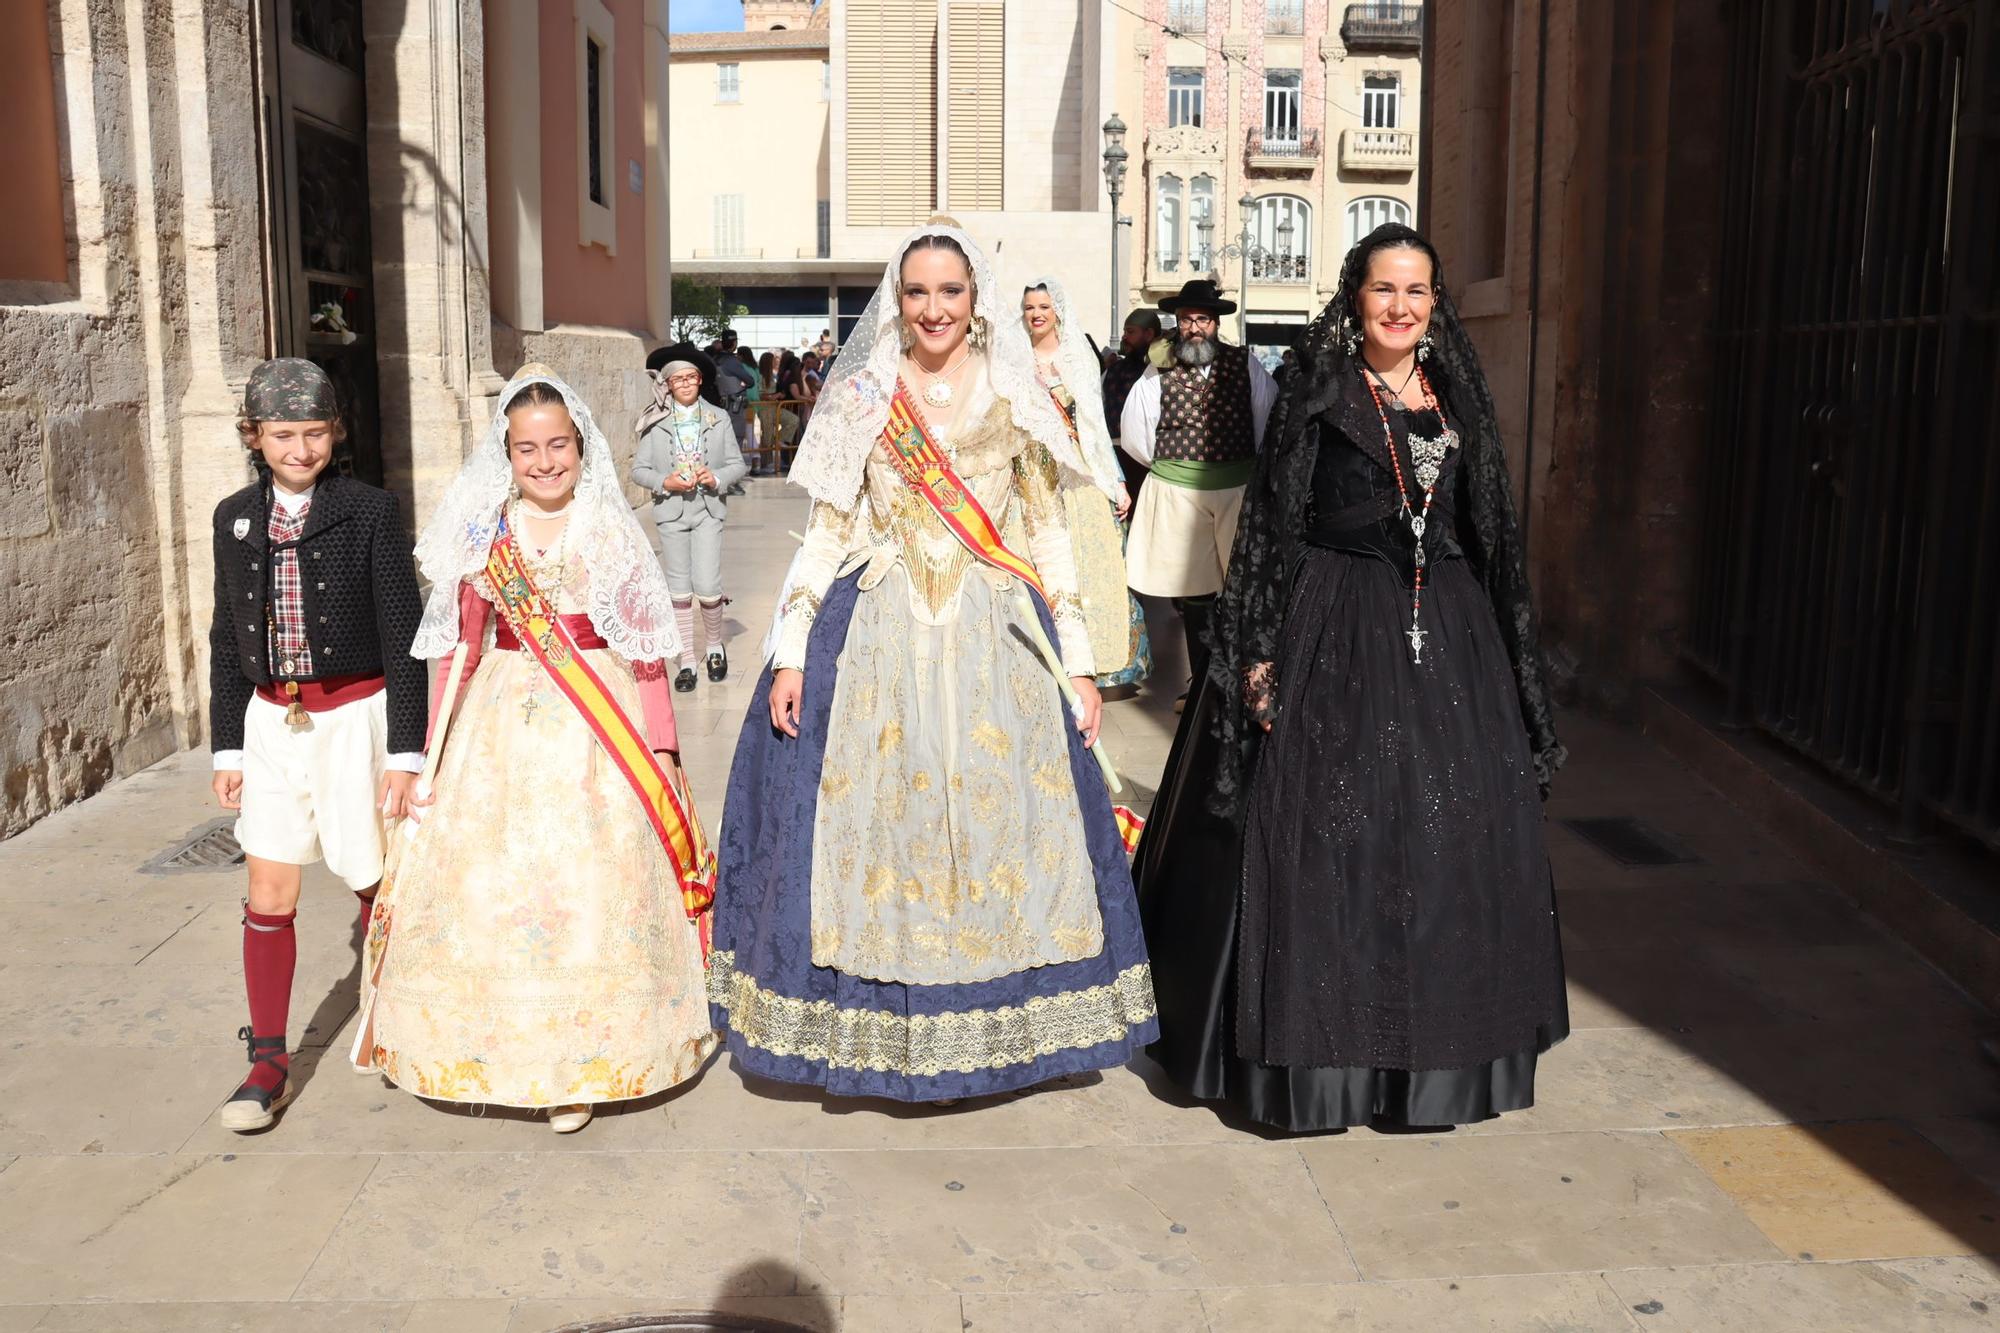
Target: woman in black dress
1344,884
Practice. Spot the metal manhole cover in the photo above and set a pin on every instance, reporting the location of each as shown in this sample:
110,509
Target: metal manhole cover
1631,842
212,846
695,1322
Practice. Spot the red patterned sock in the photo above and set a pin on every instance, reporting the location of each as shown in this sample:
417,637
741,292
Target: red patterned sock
367,901
270,954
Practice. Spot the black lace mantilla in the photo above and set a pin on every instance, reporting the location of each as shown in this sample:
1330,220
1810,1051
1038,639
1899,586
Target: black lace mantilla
1249,619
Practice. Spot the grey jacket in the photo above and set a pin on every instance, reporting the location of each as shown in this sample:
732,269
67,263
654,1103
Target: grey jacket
655,462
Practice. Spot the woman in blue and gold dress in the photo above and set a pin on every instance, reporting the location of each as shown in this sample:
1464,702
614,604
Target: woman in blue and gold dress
923,892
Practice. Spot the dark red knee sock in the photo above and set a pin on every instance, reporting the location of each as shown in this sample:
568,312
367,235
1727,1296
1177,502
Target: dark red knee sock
367,901
270,953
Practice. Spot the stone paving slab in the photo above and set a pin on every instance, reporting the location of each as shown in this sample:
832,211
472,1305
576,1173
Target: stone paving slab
1446,1206
1860,1190
1731,1003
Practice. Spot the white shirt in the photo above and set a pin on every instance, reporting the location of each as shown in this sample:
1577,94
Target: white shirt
1140,421
231,761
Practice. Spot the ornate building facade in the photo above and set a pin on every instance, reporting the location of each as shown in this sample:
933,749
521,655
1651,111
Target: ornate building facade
1272,134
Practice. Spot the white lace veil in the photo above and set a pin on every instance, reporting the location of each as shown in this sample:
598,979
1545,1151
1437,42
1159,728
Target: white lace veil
851,410
628,600
1083,376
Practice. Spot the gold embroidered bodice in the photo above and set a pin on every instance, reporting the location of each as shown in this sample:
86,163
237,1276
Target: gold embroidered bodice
1013,478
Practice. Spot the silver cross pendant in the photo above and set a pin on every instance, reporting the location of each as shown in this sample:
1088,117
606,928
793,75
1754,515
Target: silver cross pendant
1416,638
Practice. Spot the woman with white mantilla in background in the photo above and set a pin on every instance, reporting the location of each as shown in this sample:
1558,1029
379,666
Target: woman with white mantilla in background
1068,370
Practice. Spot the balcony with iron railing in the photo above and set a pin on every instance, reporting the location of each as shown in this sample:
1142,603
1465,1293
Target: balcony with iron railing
1378,150
1280,269
1285,17
1265,149
1377,26
1187,16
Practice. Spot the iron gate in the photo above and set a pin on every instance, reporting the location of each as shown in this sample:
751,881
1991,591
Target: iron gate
1848,592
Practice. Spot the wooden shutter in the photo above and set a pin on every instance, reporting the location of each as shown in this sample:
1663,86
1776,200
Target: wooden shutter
975,139
891,112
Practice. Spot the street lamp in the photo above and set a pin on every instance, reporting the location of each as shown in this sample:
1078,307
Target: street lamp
1245,248
1114,181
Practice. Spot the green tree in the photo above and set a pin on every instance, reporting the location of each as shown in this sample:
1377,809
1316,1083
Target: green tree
700,313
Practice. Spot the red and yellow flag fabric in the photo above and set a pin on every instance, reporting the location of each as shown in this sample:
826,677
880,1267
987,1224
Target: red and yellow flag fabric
671,812
1130,826
929,473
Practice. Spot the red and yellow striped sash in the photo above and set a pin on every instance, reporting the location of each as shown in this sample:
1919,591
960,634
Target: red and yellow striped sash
929,473
671,814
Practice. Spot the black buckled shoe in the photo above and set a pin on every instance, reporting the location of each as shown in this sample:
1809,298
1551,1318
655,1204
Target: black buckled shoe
684,682
718,665
253,1107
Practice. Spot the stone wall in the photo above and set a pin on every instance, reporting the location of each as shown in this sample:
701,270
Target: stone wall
1572,189
119,388
101,456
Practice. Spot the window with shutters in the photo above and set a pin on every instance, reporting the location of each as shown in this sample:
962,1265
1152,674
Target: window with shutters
1365,215
728,224
891,101
1381,99
1281,237
596,147
1281,106
1168,220
1184,96
1201,208
729,83
975,104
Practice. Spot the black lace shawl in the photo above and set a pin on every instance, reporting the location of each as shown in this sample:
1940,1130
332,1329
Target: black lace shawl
1249,617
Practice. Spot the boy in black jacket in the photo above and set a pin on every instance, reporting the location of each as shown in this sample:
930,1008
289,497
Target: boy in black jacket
317,711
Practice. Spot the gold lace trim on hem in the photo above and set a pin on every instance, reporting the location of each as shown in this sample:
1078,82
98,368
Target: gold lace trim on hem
596,1082
930,1044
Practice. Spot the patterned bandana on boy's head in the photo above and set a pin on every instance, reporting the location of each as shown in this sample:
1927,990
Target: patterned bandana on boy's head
289,389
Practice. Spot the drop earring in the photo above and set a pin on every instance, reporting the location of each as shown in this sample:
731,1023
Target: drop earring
1350,337
1425,346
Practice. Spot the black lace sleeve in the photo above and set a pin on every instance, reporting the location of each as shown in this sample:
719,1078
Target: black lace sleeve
1249,617
1491,537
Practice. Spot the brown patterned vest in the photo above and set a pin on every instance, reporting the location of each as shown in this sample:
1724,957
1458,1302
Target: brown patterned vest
1207,420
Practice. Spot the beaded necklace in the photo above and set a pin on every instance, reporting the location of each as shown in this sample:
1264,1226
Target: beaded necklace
1428,455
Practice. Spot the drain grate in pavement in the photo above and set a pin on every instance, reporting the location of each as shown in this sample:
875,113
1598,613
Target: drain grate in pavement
212,846
1631,842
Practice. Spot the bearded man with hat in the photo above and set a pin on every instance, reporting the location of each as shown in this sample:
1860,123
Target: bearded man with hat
1197,423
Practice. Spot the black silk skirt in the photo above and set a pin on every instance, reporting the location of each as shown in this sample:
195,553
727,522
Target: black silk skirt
1370,938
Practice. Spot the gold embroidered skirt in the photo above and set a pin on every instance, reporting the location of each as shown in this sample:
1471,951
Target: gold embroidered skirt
789,1019
536,948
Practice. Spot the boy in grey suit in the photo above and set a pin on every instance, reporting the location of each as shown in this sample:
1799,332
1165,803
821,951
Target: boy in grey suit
688,459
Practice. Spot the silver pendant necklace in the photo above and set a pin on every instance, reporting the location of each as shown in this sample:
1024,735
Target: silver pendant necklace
937,392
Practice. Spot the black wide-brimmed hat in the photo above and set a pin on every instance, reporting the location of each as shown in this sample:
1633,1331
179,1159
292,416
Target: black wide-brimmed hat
1201,294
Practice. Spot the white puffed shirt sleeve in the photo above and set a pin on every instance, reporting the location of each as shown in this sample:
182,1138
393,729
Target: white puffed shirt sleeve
1140,421
828,541
1046,521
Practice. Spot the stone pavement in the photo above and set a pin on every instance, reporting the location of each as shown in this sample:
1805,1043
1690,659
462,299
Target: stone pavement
1771,1117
